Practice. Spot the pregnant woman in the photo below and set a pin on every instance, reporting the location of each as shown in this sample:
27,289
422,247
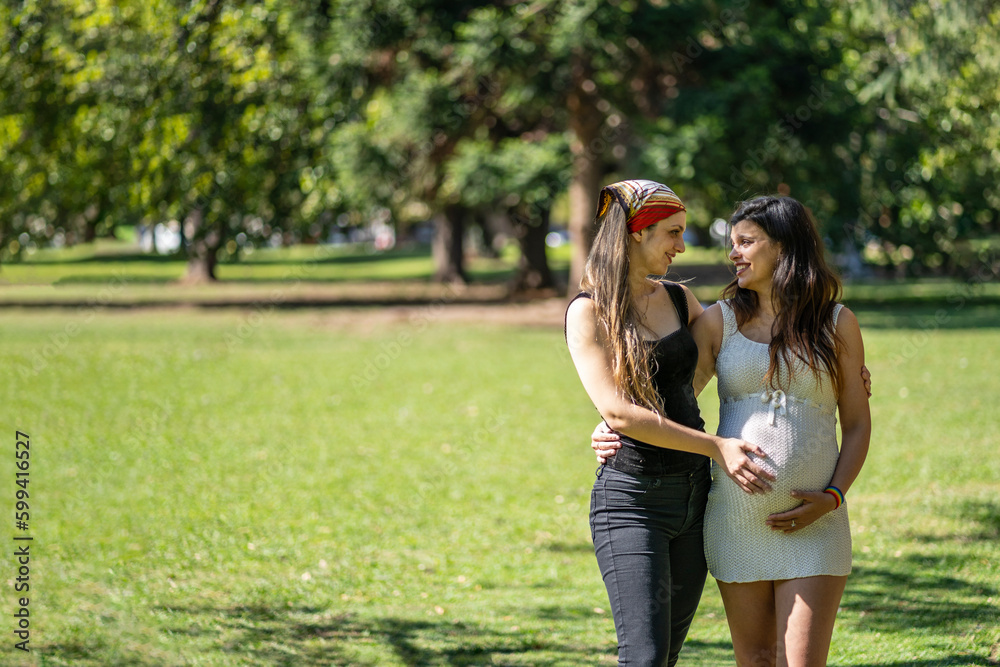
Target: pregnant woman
789,359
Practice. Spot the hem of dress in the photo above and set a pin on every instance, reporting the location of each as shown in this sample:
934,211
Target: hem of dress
798,576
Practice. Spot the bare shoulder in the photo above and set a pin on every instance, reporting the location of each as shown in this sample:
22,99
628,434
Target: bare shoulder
711,319
581,308
848,328
695,309
708,332
581,319
847,322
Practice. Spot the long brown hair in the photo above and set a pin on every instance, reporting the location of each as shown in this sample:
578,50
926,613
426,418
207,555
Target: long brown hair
605,278
804,291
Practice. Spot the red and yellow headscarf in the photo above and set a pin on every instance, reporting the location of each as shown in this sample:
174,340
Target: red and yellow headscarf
644,202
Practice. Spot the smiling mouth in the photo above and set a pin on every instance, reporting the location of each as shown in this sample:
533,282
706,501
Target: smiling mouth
741,267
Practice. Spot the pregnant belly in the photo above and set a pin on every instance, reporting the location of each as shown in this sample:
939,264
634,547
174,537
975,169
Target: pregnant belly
801,448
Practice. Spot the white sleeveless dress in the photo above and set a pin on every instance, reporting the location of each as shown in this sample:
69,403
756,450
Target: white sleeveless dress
797,426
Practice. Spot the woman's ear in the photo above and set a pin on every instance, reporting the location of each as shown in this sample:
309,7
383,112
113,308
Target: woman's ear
637,236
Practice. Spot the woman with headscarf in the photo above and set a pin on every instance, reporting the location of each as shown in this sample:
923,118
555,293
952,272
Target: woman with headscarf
629,339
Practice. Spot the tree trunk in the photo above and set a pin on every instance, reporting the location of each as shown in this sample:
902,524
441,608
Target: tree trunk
583,191
489,228
200,266
90,230
588,152
447,248
202,252
533,273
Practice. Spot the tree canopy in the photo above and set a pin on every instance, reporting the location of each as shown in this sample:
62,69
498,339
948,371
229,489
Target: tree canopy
246,120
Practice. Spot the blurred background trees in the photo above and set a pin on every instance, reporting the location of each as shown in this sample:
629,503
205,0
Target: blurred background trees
242,123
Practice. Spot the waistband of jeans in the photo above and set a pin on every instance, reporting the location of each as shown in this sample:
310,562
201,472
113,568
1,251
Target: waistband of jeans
633,461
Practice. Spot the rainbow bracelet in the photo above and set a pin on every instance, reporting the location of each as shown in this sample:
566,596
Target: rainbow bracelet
836,493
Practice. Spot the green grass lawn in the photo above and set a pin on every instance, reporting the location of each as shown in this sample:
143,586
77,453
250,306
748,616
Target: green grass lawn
274,488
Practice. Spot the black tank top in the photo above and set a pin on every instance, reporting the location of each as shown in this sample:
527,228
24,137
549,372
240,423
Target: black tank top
676,359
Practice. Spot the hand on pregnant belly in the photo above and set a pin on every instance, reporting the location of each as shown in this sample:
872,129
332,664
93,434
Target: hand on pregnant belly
814,504
738,461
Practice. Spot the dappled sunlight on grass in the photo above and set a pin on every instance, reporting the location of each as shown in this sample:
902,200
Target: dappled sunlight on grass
241,487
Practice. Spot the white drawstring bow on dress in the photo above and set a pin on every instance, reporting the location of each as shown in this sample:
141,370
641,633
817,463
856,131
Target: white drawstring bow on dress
778,403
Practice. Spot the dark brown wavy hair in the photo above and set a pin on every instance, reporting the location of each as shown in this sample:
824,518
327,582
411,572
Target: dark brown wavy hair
804,290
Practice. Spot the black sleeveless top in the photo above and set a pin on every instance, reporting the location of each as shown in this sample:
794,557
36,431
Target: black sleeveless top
676,359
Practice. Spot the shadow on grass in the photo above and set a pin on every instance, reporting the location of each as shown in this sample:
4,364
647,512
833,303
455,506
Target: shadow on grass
914,595
92,651
980,522
957,659
482,276
108,258
985,514
306,636
570,547
108,279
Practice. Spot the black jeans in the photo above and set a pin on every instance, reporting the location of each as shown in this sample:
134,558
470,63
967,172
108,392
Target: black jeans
647,533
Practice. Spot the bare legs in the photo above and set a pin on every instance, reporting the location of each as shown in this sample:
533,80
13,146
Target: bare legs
786,623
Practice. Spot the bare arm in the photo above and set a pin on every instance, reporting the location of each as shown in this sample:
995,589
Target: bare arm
707,332
855,426
855,413
593,363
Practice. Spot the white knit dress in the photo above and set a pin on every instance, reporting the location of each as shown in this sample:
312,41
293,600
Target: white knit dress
796,426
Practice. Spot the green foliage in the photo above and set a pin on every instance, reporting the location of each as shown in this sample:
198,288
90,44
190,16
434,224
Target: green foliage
926,150
511,171
145,112
252,119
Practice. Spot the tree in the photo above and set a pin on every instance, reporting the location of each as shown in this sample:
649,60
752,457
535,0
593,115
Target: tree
926,156
237,111
687,93
152,111
419,102
519,176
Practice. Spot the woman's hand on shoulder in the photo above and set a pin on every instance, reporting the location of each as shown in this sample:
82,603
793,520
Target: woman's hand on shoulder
851,358
849,330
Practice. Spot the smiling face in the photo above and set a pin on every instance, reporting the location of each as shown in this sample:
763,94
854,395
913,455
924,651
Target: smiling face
755,255
655,246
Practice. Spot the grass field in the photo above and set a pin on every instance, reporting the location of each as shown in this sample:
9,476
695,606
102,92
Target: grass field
113,273
106,259
258,487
